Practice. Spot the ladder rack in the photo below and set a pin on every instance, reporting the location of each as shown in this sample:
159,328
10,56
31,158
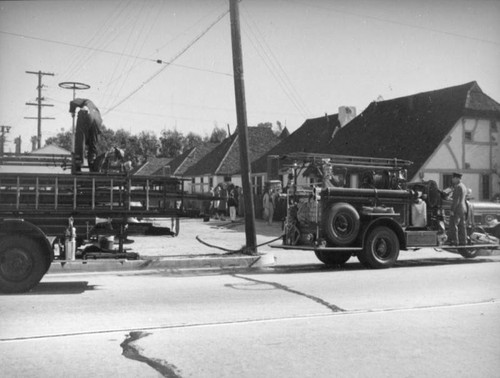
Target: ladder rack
347,161
93,194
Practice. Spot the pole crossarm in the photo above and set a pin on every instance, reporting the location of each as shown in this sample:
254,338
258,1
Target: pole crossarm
39,104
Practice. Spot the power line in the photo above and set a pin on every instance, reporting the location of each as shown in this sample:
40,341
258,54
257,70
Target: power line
158,61
167,64
389,21
274,65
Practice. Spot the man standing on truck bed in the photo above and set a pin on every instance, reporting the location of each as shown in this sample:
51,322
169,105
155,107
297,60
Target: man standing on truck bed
458,211
88,128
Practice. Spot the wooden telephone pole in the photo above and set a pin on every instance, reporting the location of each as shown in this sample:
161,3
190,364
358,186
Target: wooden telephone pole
39,105
241,115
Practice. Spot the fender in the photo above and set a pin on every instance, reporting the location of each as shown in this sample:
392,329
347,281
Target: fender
21,227
388,222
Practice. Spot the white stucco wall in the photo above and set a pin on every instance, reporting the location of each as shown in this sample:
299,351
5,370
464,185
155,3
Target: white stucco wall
474,158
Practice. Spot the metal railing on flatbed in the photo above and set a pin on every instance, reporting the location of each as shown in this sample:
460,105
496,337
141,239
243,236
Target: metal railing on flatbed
93,194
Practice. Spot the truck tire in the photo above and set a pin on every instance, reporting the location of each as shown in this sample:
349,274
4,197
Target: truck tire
469,253
381,248
342,224
22,264
332,258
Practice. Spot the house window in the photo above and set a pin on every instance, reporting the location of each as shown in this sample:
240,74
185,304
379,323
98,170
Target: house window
211,182
227,178
447,183
468,136
485,187
493,126
193,180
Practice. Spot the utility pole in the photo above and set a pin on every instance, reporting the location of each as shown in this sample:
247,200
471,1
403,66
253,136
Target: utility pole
39,105
3,130
241,116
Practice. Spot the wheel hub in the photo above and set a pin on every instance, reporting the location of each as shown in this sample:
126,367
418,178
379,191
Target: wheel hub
381,247
15,264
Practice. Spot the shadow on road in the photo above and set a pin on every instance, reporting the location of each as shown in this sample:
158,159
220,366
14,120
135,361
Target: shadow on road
354,265
57,288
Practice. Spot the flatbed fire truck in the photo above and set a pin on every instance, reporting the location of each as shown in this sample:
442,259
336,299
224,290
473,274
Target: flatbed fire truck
365,207
48,216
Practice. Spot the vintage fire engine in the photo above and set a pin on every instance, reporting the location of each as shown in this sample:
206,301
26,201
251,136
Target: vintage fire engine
48,216
364,207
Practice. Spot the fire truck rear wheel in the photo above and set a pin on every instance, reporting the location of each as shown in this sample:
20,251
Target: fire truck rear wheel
469,253
342,224
381,249
333,258
22,264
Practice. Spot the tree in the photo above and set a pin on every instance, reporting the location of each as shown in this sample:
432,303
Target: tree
265,124
62,139
218,134
192,140
276,129
171,143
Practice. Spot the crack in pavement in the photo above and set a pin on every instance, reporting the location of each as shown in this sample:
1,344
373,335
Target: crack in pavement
277,285
134,352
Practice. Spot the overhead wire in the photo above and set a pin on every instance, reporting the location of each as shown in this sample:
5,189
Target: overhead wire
152,60
275,68
129,47
167,64
395,22
101,37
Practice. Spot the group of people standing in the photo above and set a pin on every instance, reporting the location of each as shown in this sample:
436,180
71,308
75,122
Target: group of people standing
229,202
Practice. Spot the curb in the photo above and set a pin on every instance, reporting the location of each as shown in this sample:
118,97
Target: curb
186,263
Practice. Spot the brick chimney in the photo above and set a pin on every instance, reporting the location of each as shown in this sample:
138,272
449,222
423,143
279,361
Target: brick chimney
346,114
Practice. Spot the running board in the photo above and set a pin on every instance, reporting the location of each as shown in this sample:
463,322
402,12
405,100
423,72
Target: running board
472,246
311,248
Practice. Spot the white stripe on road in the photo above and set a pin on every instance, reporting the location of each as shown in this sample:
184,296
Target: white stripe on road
252,321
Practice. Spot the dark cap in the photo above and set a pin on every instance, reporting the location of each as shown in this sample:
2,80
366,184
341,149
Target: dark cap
457,175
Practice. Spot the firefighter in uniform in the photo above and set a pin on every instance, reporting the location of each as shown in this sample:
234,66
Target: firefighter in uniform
458,212
88,128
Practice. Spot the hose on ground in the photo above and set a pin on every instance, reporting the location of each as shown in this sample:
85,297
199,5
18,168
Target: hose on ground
234,251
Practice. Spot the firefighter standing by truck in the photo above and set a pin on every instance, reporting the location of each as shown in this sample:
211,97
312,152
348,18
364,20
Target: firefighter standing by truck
457,232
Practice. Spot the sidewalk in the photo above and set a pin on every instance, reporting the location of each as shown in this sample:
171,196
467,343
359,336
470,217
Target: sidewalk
184,252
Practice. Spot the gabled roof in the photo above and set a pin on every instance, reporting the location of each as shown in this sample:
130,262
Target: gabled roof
307,138
154,166
284,133
180,164
225,158
410,127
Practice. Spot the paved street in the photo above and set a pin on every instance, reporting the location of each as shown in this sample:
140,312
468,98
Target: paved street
432,315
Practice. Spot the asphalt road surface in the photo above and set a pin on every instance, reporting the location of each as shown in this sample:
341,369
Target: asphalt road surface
436,316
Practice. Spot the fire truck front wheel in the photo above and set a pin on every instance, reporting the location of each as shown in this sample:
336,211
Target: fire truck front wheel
381,248
22,264
333,258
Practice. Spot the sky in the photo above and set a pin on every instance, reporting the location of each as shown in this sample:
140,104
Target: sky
301,58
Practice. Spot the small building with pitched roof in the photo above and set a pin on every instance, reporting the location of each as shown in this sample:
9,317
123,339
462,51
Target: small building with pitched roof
50,159
222,164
